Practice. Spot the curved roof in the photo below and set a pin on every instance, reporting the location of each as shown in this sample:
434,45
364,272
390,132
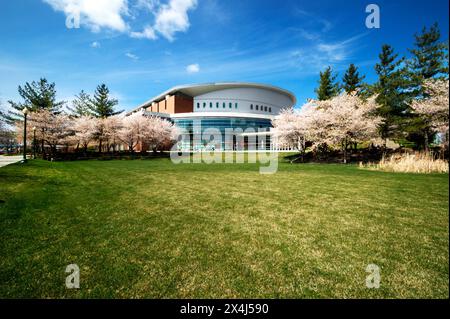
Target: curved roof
199,89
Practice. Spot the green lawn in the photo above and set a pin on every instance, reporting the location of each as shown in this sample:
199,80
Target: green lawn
152,229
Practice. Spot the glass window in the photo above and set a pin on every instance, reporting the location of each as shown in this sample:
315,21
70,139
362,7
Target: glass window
265,108
210,104
231,105
270,109
223,104
251,106
204,104
257,107
198,105
235,105
217,104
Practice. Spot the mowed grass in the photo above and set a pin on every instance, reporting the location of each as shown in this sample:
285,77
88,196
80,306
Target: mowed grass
152,229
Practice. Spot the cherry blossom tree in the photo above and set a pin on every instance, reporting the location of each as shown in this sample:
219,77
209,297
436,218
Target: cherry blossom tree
159,133
7,137
112,126
51,129
293,129
84,128
433,108
132,130
340,121
348,119
55,130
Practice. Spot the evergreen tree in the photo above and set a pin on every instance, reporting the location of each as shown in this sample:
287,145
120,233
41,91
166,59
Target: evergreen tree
102,106
2,114
328,88
352,81
429,56
392,94
429,60
81,105
36,96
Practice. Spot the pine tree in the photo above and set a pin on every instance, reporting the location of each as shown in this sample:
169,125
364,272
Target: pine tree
429,60
81,105
328,88
36,96
102,106
2,114
430,56
392,94
352,81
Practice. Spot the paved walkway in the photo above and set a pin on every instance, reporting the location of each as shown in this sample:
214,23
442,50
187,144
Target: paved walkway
6,160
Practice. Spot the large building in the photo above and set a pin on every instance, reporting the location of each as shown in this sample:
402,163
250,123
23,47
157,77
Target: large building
246,106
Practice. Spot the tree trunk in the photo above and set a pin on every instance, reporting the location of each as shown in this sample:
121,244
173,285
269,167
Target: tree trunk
384,147
426,148
344,145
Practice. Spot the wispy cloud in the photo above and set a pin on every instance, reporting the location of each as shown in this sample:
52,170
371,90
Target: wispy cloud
311,18
132,56
147,33
148,5
339,51
323,53
95,44
308,35
230,64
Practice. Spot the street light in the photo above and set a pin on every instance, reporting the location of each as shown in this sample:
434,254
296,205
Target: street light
25,113
34,142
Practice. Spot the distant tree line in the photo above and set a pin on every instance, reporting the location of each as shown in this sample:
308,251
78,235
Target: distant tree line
88,121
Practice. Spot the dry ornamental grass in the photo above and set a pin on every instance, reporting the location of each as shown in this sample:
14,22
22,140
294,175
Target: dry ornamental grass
410,163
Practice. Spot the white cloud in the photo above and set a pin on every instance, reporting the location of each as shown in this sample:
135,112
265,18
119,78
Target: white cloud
172,17
132,56
147,33
193,68
95,44
96,14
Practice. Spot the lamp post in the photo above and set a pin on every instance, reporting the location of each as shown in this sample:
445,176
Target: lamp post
34,142
25,113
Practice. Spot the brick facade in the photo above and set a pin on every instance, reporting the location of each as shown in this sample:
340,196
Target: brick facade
178,103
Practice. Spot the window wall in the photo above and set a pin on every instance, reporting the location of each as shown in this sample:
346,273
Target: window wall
204,142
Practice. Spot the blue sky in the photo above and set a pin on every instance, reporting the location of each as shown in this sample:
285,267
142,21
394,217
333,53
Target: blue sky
140,48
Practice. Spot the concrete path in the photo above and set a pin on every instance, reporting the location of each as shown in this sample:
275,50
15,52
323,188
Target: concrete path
6,160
